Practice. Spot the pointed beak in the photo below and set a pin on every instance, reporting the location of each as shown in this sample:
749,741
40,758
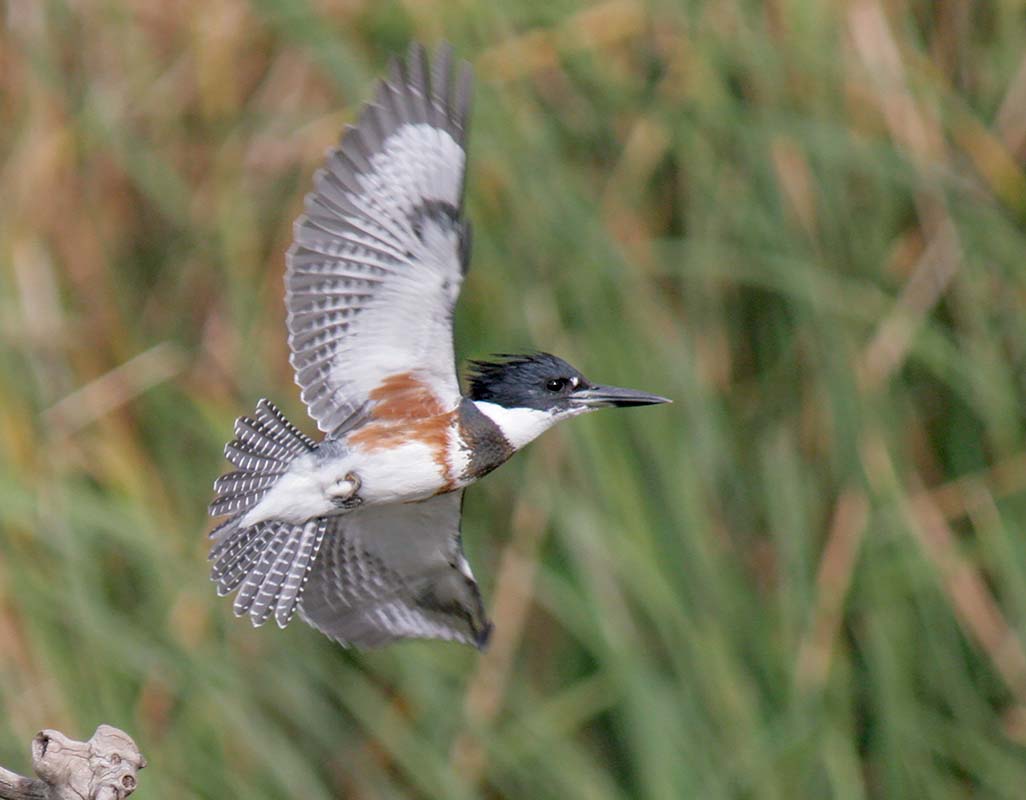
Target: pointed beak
604,396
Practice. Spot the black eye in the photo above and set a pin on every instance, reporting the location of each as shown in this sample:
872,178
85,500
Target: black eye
556,384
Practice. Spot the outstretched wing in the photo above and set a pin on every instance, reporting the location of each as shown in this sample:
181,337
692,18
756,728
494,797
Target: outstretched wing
379,255
396,572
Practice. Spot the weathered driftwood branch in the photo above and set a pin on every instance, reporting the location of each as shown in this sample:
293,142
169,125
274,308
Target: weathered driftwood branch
104,768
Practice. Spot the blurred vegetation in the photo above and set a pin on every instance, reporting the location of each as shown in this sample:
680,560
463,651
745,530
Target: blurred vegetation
804,221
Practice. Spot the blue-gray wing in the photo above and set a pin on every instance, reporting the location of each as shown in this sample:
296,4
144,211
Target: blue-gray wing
379,255
395,572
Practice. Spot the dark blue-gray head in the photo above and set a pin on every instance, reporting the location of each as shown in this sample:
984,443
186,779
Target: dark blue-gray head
544,382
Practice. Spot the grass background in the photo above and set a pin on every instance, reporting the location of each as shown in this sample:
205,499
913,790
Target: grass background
804,221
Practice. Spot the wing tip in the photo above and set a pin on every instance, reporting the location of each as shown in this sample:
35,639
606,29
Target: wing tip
483,637
417,89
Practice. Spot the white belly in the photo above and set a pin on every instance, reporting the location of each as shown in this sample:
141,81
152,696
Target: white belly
399,474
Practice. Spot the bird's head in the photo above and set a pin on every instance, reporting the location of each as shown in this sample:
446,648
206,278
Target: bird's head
527,394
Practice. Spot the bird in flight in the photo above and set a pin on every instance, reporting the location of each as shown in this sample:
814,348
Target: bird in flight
360,532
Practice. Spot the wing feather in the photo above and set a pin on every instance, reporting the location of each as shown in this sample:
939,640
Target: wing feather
396,572
379,255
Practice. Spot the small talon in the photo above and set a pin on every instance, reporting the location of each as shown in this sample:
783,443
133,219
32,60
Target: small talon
347,489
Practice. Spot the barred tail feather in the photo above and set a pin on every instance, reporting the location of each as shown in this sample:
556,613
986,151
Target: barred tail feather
262,450
258,575
275,585
267,562
235,557
299,572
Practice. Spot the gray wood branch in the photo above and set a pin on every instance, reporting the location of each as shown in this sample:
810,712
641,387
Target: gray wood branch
104,768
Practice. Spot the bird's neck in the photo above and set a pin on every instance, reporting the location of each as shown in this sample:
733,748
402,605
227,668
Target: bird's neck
517,425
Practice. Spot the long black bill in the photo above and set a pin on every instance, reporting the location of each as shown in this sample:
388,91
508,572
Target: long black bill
603,396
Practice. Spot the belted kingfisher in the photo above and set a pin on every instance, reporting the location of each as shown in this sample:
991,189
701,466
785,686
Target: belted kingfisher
360,532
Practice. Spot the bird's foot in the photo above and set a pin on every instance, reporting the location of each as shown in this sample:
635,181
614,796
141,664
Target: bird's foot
344,493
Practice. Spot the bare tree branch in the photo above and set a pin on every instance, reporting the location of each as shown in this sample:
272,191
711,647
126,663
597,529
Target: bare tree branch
104,768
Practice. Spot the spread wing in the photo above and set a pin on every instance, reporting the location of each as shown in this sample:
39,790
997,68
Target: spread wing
396,572
379,255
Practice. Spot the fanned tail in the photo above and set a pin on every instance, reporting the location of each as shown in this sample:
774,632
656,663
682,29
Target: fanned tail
263,448
269,560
